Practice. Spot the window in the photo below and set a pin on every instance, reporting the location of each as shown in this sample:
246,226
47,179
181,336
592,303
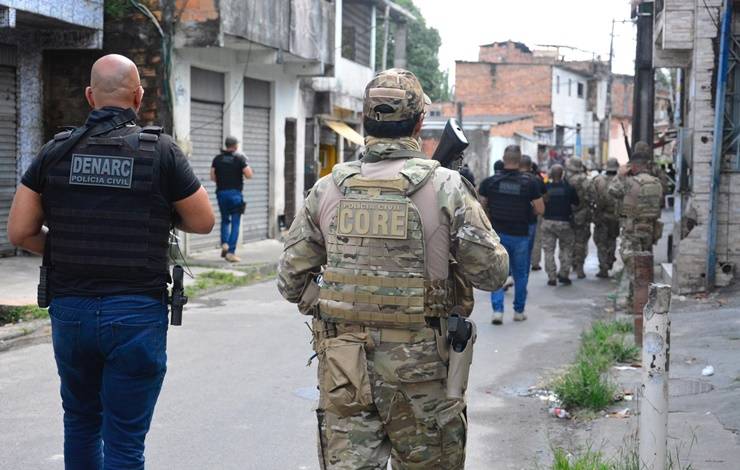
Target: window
435,113
581,88
349,50
557,84
570,84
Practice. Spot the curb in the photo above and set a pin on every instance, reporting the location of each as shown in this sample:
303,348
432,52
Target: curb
24,333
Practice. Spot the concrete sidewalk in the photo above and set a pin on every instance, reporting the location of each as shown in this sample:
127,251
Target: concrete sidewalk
252,253
20,278
704,411
20,274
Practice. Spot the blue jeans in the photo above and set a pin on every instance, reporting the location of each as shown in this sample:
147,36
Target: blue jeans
229,204
532,234
519,256
111,358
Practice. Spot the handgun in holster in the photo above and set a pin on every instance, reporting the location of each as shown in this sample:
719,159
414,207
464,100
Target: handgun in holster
177,299
461,336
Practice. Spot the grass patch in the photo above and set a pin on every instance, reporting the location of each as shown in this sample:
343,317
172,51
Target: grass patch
13,314
585,385
587,461
210,280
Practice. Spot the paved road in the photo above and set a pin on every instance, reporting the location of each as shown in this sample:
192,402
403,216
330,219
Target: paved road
238,394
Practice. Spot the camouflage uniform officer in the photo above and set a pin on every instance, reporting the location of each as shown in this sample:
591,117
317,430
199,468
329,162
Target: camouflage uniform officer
606,218
386,230
639,195
581,214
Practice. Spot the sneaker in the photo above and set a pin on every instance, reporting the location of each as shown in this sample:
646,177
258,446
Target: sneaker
603,273
232,258
519,316
564,281
552,282
224,249
498,318
536,267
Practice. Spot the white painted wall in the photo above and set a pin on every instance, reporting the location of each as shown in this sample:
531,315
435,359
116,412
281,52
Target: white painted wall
286,103
569,110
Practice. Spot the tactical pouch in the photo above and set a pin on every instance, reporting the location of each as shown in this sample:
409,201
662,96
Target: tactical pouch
309,303
462,291
344,380
657,231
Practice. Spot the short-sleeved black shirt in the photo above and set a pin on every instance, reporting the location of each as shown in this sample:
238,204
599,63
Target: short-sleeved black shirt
541,188
229,168
561,197
531,192
177,181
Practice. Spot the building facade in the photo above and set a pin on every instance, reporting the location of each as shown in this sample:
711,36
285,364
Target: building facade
29,30
688,37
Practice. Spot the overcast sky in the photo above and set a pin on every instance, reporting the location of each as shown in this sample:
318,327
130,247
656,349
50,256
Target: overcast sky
584,24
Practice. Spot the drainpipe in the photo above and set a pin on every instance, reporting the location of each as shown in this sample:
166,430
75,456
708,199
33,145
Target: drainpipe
719,114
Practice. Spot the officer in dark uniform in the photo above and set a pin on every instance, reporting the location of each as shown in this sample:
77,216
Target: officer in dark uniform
108,193
511,197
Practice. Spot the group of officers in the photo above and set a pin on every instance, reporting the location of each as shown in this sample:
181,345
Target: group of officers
532,213
383,256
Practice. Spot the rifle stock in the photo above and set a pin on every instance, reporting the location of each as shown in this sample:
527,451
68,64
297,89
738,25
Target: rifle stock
451,146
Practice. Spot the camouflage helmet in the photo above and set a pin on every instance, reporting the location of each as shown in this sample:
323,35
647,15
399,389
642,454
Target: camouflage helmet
575,165
642,152
612,164
394,95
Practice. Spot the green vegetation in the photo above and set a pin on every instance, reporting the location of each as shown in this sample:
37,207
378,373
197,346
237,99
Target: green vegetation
584,385
9,314
219,280
589,460
116,9
422,49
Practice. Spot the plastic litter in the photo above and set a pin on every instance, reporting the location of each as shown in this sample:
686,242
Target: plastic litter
707,371
559,413
625,413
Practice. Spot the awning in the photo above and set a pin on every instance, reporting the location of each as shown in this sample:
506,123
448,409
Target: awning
345,131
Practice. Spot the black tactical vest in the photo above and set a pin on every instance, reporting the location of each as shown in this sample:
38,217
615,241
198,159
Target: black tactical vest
508,200
106,214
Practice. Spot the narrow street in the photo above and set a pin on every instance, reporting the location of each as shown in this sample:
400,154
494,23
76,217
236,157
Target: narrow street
239,396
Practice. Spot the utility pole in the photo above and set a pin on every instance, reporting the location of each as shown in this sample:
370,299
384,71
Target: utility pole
644,98
609,84
387,25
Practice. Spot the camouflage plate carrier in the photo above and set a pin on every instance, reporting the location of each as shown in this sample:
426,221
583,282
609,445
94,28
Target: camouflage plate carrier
641,204
375,273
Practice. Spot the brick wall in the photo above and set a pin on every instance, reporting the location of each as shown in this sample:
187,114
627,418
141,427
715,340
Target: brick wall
488,88
622,91
508,51
67,72
522,126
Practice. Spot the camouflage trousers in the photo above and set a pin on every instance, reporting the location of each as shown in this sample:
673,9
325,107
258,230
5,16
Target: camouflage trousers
408,418
630,244
537,248
605,237
582,233
560,233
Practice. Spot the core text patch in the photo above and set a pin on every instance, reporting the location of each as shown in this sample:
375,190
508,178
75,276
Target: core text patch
101,170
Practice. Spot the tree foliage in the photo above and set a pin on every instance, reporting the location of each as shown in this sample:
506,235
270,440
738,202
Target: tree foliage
422,49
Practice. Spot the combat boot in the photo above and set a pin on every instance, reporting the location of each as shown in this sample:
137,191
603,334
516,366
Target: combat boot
603,273
579,272
564,281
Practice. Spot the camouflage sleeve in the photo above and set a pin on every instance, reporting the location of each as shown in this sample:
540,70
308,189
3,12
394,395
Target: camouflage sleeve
473,242
303,252
616,187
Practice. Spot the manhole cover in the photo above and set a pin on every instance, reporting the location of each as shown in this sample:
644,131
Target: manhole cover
681,388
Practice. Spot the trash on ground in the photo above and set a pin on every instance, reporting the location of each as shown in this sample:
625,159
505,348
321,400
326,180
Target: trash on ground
625,413
559,413
707,371
629,367
682,298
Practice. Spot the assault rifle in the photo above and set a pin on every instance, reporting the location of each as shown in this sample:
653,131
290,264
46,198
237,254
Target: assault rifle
451,146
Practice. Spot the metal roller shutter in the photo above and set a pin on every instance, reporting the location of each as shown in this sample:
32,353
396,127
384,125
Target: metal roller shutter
7,151
206,130
256,146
